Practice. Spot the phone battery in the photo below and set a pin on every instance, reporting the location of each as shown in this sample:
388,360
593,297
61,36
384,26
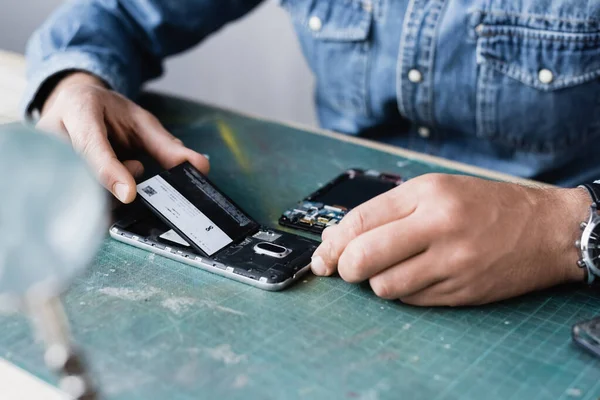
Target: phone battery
194,208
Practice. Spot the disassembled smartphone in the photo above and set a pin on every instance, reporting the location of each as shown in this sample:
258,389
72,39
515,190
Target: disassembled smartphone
186,218
328,205
587,335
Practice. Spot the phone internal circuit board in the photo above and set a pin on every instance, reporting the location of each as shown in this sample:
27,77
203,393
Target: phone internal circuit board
314,217
328,205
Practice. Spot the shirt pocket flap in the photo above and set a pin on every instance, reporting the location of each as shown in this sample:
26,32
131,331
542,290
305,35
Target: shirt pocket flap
545,60
339,20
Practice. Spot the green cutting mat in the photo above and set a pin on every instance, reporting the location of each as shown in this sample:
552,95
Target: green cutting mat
156,329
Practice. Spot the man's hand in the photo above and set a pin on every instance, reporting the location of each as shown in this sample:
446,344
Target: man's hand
107,129
457,240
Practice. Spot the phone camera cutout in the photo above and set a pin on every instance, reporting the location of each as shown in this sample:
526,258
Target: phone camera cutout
271,250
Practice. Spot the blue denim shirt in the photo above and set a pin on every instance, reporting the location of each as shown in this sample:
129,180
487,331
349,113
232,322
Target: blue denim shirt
508,85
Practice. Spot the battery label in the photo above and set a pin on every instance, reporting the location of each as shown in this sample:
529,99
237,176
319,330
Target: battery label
180,212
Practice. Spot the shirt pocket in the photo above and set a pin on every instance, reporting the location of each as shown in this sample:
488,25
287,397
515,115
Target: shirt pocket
335,39
537,90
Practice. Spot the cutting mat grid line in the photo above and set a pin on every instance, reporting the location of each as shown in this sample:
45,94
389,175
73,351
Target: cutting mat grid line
151,326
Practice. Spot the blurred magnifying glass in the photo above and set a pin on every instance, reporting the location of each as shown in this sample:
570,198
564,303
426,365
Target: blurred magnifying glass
52,220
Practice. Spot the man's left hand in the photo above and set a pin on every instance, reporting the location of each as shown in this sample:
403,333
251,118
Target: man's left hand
457,240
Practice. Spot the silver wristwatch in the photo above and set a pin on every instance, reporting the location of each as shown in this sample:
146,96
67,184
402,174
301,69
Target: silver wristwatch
589,244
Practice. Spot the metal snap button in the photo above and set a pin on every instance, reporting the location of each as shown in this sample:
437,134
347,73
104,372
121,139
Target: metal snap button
315,24
545,76
414,75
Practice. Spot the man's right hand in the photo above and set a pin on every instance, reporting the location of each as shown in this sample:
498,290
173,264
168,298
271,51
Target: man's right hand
101,124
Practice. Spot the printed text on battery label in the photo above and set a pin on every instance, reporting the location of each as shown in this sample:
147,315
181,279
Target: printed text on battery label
183,214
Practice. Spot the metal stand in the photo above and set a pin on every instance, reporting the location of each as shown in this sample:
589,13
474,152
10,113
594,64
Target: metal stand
50,323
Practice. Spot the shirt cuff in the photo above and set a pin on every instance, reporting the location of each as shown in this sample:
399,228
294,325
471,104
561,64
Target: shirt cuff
102,67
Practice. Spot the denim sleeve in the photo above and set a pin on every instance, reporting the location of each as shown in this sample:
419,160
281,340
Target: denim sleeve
123,42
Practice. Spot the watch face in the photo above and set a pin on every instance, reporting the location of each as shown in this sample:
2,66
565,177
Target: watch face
594,245
590,246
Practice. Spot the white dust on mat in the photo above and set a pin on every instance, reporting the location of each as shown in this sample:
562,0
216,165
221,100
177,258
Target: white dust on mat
240,381
176,305
226,355
130,294
214,306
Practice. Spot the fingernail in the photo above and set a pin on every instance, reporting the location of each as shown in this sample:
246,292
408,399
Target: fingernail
318,266
121,191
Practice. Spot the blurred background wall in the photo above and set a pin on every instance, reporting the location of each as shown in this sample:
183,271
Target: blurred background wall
253,65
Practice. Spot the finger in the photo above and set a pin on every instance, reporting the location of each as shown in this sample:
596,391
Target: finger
328,232
395,204
162,146
446,293
89,138
428,297
387,245
407,278
54,125
135,167
457,292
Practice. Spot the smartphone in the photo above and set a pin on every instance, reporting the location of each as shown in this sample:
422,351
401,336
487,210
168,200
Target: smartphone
181,215
329,204
587,335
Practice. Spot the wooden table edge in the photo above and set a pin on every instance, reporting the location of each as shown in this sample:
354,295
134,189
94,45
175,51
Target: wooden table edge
14,58
12,65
